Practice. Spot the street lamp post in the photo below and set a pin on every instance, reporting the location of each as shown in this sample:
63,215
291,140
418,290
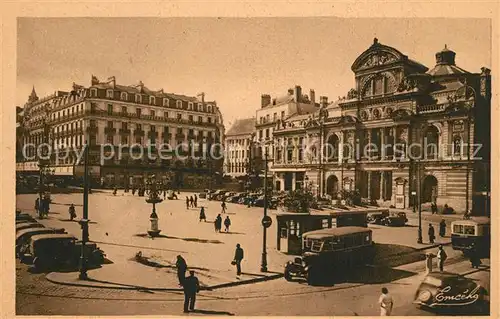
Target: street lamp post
153,192
84,222
263,267
419,197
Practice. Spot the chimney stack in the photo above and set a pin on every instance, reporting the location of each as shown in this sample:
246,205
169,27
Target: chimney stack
323,101
298,94
265,100
312,97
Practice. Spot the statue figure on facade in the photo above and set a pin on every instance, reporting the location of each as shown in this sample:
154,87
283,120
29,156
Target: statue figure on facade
352,94
406,85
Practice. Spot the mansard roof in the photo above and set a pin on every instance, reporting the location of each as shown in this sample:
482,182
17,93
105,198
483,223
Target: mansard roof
378,54
241,127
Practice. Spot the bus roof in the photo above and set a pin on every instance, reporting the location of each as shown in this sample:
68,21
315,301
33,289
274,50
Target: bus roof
48,236
338,231
473,221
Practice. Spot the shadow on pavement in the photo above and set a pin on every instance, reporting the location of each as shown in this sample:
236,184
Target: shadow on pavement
74,220
197,240
212,312
396,255
232,233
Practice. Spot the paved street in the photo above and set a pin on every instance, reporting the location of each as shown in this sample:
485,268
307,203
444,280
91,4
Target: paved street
118,219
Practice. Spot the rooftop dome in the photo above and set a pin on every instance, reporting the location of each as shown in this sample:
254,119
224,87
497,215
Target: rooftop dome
445,63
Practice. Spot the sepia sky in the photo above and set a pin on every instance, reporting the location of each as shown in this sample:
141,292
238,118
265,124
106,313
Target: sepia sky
232,60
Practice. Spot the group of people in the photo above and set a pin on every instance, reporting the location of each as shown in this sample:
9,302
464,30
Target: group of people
42,207
218,223
191,284
431,231
191,201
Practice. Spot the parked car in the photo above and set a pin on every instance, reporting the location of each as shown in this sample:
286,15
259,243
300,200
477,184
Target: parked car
22,226
227,195
24,217
272,202
235,198
376,217
441,290
395,219
203,194
50,251
23,236
217,195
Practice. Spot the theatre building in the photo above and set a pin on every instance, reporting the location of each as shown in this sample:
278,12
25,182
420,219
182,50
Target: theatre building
404,127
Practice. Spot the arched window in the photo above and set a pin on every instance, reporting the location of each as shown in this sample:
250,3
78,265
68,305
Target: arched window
431,142
152,100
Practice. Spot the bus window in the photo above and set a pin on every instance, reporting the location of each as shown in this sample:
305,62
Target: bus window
348,241
357,240
458,229
283,233
324,223
316,245
469,230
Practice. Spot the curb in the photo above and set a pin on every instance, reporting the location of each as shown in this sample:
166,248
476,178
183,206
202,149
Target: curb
88,284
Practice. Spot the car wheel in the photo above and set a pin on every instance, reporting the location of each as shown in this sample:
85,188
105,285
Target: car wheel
311,277
287,275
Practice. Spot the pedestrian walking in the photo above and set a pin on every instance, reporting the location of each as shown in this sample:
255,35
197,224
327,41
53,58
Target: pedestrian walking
195,201
181,266
133,191
202,214
37,206
431,234
191,287
386,303
164,194
434,208
115,190
441,257
227,223
71,211
191,201
238,257
218,223
187,202
223,207
475,260
442,228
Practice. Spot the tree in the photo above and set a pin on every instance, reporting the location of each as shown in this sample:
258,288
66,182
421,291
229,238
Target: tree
299,201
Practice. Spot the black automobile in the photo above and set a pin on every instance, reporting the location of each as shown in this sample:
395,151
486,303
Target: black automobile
395,219
377,217
450,291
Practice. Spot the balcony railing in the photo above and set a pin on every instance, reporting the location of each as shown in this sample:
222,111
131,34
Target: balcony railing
92,129
124,131
167,135
153,134
138,132
180,136
109,130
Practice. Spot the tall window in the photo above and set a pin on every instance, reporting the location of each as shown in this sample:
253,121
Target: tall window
200,119
138,98
124,96
124,110
109,94
110,109
153,113
152,100
138,112
178,104
190,118
110,124
166,101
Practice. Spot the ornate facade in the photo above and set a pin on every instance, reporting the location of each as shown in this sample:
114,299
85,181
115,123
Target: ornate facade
400,125
118,115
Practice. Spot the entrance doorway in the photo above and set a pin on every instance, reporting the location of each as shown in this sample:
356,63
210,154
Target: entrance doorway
429,189
332,186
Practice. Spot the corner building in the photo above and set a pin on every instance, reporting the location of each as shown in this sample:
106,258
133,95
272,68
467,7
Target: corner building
398,108
120,115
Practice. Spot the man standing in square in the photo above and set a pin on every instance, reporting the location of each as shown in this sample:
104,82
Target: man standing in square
238,257
191,287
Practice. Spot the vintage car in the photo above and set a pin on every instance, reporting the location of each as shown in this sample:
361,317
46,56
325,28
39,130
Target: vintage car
49,251
235,198
28,225
227,195
272,202
377,217
331,253
217,195
204,194
395,219
440,290
24,217
23,236
476,230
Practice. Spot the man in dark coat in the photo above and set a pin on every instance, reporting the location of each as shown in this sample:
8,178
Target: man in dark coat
475,260
218,223
202,214
195,201
238,257
191,287
181,266
227,223
442,228
431,234
187,202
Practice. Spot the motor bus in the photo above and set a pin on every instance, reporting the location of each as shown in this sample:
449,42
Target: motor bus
331,252
466,232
